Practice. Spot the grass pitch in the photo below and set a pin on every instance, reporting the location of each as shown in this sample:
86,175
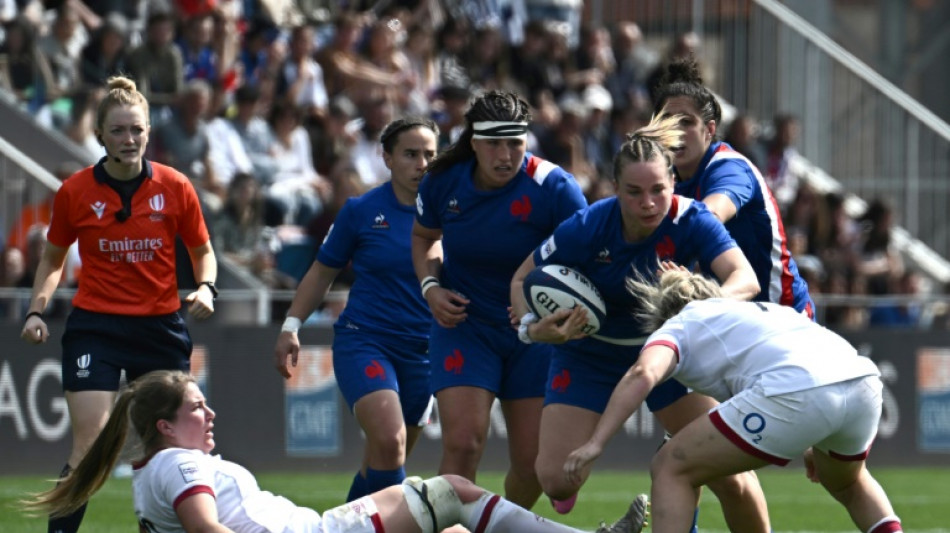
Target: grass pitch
919,496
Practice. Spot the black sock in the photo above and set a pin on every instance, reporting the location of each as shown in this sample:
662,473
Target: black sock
69,523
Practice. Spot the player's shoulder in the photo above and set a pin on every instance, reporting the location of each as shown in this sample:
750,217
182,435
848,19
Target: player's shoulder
80,180
165,174
544,172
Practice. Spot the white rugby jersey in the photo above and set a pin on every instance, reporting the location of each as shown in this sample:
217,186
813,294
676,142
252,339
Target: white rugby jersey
725,346
173,474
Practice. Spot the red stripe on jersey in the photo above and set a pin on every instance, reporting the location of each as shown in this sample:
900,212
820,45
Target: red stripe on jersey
674,207
668,344
533,163
788,297
857,457
377,523
740,443
486,514
197,489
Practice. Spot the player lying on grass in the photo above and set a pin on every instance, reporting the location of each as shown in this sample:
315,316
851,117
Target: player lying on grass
787,385
180,487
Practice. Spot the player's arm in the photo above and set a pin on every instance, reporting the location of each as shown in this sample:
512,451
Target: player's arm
721,206
655,364
737,276
198,513
310,294
205,267
448,308
48,274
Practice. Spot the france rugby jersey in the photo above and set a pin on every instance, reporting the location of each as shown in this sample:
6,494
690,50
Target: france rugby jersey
592,242
757,226
374,232
486,235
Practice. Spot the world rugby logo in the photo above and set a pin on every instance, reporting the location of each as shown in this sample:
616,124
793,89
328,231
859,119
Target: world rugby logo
157,202
83,363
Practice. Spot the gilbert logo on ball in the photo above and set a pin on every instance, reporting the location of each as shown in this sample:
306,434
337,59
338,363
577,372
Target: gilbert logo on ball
549,288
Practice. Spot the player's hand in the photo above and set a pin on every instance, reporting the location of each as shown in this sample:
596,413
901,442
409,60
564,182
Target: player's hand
34,330
666,266
201,303
810,472
286,352
578,462
448,307
560,326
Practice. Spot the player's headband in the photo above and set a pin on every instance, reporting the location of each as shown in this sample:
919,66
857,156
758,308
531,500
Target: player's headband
489,129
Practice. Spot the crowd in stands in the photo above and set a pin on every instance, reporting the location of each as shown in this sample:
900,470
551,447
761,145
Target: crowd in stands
273,108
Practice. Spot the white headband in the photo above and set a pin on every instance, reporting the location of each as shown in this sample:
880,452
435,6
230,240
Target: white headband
489,129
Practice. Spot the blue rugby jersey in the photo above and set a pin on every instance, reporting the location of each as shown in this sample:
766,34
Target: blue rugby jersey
486,235
374,231
757,226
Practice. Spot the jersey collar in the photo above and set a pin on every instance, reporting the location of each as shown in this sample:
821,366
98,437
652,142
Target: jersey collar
99,170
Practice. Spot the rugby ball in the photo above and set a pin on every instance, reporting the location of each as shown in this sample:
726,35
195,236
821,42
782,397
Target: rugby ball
549,288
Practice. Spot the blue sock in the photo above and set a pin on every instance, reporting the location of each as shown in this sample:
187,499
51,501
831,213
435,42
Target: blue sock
380,479
69,523
695,528
358,488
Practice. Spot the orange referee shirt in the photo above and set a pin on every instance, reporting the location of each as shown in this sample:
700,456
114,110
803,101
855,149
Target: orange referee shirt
128,268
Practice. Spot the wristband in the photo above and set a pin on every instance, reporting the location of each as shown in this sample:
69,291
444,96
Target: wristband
32,313
523,334
427,283
291,324
528,318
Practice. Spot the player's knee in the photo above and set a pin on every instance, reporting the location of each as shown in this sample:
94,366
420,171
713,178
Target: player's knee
434,503
553,483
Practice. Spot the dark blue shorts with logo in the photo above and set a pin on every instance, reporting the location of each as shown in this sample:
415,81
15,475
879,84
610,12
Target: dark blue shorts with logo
97,347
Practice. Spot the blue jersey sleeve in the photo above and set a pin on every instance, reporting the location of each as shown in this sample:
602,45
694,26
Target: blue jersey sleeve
570,244
708,237
733,178
342,239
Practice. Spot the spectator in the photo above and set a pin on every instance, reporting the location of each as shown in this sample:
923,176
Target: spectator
365,155
198,57
634,61
24,70
295,195
300,78
183,143
62,46
335,136
255,133
420,51
743,136
878,260
156,65
226,151
238,229
347,70
684,45
781,150
106,53
384,51
39,213
82,123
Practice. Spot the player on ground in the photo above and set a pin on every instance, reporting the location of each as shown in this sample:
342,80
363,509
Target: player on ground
381,339
126,212
485,204
629,234
179,487
788,387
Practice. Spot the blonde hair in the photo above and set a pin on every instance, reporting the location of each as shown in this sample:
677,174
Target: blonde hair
654,141
662,300
120,91
153,397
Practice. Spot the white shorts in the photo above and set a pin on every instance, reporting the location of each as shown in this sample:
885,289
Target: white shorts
839,419
358,516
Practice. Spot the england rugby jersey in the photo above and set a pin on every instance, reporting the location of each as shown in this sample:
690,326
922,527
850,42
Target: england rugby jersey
174,474
128,268
757,226
725,346
592,242
374,231
486,235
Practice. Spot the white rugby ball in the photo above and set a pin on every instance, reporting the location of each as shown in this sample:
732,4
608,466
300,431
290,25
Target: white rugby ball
549,288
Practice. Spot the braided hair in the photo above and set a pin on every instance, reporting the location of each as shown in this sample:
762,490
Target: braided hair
682,78
654,141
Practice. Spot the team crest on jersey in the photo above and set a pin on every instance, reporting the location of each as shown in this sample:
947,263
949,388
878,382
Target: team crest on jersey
98,208
380,221
83,362
453,206
665,249
603,256
189,471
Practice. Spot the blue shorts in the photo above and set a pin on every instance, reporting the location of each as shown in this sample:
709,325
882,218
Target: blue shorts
97,347
586,379
491,357
367,362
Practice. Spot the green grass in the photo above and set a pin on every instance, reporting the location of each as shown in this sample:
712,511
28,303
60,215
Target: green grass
919,497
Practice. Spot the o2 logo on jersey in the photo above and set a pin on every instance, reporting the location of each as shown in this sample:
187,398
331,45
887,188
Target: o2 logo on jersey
754,423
